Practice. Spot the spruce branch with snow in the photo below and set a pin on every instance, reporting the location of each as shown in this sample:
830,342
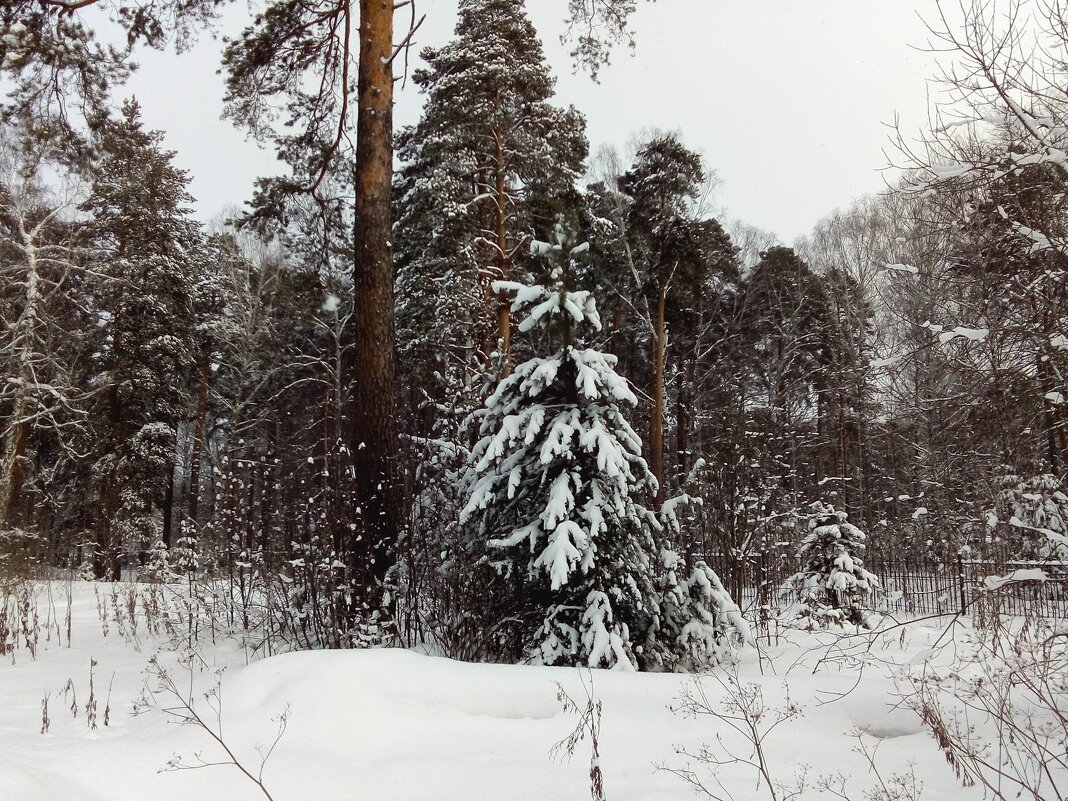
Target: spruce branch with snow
1036,513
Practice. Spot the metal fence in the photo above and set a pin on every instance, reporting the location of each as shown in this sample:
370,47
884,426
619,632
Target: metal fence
916,586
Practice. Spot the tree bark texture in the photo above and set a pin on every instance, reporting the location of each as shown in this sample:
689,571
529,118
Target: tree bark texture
18,434
656,415
504,267
373,374
198,436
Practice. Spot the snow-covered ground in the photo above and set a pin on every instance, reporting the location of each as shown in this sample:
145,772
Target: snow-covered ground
392,724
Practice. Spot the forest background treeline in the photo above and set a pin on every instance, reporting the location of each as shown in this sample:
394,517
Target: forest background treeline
174,391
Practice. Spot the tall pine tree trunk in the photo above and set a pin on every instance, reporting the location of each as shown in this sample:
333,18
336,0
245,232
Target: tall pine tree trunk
373,376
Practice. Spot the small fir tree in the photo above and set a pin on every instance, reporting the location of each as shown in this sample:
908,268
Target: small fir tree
833,585
699,622
559,484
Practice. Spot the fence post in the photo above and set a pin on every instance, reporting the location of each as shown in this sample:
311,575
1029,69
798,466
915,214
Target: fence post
960,582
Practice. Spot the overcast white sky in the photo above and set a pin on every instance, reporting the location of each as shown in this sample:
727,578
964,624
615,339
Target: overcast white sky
789,101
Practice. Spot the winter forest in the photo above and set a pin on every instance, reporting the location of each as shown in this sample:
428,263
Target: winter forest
449,415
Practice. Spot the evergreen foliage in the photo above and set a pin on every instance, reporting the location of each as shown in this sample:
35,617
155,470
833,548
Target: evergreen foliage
557,498
162,388
833,584
147,348
700,625
787,318
489,165
558,503
1034,512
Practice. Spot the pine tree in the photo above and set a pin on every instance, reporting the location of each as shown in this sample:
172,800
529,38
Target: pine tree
291,47
832,584
786,330
787,317
488,155
557,501
146,354
672,248
488,166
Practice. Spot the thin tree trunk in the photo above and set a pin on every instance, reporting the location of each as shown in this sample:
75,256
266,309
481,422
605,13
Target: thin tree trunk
843,453
109,490
198,436
1049,415
615,339
683,404
862,497
822,438
504,308
374,369
656,416
168,511
11,470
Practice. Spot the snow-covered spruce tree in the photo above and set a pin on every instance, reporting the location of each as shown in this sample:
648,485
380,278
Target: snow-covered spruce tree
832,586
699,622
1036,512
557,499
580,571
